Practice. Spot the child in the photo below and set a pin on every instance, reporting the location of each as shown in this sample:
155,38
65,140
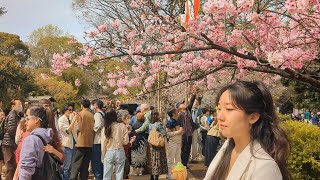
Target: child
174,132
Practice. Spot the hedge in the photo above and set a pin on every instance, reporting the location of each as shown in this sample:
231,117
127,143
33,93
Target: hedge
304,159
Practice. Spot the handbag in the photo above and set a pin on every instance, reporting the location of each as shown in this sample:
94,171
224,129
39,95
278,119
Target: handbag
155,138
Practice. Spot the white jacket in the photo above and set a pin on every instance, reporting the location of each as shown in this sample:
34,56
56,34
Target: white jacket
66,139
98,125
261,166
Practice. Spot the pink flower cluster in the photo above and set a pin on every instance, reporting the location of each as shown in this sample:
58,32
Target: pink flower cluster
282,37
121,91
77,82
83,60
60,63
219,7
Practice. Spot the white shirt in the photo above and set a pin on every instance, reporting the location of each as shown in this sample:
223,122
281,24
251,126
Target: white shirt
66,139
259,166
98,125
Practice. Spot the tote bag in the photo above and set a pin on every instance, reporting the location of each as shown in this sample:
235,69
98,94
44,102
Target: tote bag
155,138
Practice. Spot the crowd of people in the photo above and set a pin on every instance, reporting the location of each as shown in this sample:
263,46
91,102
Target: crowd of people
112,140
308,117
117,142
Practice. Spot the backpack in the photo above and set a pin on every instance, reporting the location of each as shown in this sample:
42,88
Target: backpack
155,138
50,169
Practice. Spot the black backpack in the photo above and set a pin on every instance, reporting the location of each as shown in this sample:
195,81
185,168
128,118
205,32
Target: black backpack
50,169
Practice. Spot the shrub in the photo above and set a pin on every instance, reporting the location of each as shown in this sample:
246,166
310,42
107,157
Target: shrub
284,117
304,159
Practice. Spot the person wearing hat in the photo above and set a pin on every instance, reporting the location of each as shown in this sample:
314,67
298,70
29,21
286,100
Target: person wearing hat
185,119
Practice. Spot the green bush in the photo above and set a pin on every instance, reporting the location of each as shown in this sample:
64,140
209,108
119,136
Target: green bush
284,117
304,160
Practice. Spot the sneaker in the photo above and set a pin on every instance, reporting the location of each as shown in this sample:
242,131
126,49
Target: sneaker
133,171
139,171
188,168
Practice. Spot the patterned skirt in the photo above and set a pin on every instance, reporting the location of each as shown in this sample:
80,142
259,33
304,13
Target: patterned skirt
158,161
139,154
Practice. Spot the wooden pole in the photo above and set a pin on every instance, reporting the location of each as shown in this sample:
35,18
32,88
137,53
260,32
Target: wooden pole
158,94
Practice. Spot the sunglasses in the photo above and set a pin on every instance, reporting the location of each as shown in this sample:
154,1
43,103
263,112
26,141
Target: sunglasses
32,117
70,109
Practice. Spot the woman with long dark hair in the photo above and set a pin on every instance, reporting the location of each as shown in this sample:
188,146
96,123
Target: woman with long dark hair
257,147
115,136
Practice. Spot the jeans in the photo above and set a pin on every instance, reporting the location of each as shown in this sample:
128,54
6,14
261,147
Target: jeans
97,166
115,157
68,155
80,163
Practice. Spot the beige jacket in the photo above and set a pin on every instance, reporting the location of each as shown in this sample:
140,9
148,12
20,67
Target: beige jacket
247,167
120,137
85,129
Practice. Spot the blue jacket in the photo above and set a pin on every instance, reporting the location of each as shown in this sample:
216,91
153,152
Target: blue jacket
32,152
315,119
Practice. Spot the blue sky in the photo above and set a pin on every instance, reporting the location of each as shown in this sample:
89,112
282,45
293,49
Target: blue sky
24,16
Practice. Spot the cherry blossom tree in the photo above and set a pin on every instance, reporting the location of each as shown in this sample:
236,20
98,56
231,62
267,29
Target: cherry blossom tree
226,39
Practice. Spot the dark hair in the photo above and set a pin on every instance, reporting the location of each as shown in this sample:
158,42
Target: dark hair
171,112
41,113
155,116
44,101
65,108
85,103
254,97
47,121
204,110
99,104
110,117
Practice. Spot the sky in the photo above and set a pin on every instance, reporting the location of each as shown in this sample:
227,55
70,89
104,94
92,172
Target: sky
25,16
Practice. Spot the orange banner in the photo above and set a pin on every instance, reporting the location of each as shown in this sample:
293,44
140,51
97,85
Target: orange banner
196,8
187,11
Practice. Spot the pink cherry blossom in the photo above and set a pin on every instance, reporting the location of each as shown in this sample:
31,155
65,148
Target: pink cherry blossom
77,82
60,63
244,5
275,58
102,28
116,23
227,34
83,60
121,91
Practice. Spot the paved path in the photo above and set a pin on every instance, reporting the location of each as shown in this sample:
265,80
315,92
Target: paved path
197,172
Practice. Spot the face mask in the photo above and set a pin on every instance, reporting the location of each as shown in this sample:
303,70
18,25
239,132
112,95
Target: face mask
19,108
91,107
